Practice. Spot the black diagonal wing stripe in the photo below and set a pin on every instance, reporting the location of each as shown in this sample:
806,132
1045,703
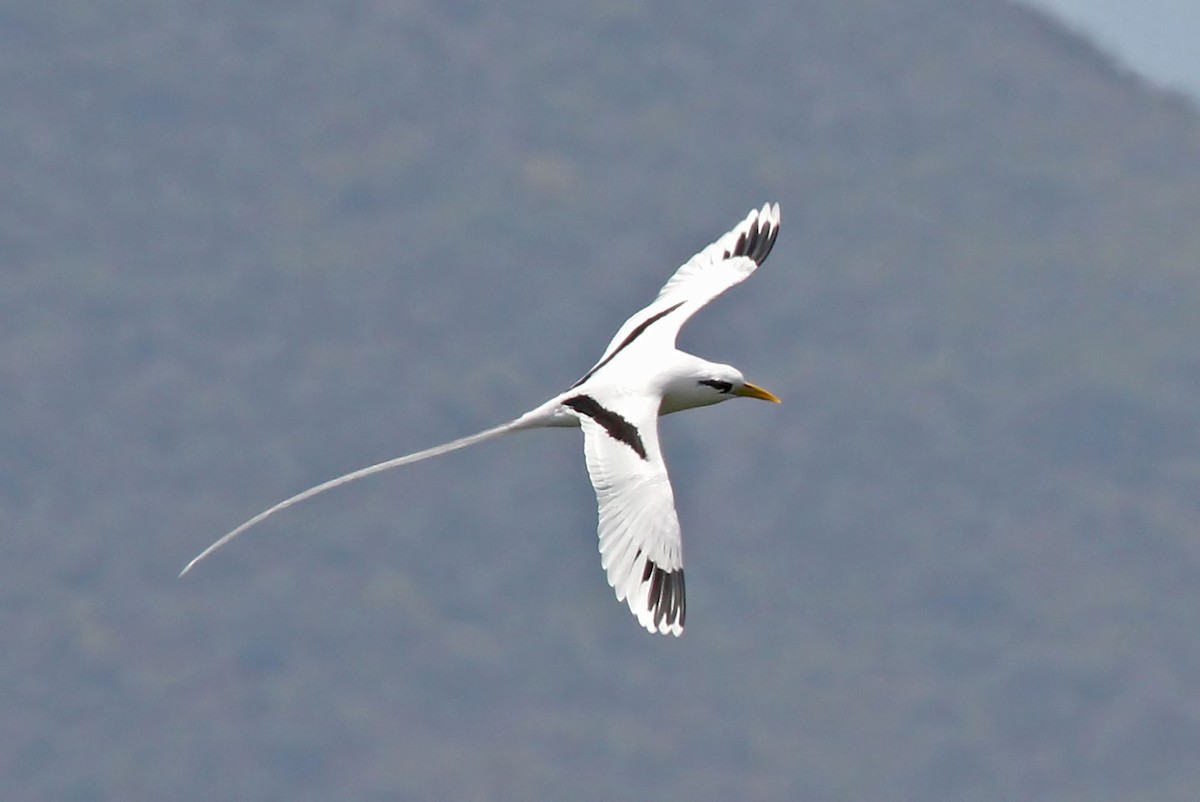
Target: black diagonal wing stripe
617,427
633,335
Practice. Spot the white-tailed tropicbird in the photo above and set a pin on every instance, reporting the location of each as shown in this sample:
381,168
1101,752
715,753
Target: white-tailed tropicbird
640,376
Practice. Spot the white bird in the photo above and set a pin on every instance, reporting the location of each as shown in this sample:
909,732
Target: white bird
640,376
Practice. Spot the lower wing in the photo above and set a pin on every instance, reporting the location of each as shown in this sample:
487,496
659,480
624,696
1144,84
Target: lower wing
640,544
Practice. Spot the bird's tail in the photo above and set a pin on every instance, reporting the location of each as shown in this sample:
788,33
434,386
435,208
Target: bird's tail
370,470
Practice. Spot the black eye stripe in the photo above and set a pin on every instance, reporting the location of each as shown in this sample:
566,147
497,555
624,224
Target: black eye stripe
717,384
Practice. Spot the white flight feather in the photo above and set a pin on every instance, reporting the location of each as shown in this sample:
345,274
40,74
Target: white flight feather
637,519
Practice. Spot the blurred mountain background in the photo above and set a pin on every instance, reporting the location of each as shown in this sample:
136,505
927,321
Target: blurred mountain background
247,247
1154,37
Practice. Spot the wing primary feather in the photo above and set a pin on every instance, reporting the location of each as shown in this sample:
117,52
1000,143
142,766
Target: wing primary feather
668,598
656,584
766,242
756,242
680,610
742,243
665,597
663,580
756,235
769,241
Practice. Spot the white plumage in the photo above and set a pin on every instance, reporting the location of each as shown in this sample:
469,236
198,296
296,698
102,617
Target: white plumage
640,376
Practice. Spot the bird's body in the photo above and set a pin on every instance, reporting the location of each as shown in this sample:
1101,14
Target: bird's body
640,376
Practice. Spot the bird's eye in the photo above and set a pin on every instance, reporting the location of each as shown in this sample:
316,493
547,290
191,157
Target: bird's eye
718,385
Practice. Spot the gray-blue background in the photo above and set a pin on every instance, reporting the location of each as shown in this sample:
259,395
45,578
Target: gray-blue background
246,247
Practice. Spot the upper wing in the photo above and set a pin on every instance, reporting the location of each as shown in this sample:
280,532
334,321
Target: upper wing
640,546
728,261
724,263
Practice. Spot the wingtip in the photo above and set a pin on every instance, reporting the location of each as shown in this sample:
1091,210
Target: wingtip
663,628
769,212
660,601
757,233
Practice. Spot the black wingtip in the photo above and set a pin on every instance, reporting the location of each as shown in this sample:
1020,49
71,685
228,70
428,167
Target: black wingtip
665,597
758,239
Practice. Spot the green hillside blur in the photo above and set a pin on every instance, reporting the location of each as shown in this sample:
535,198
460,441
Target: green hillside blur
245,248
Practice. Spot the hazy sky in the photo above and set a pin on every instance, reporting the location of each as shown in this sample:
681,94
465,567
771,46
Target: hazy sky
1156,38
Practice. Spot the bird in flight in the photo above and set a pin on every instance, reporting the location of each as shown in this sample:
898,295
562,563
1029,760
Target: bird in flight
640,376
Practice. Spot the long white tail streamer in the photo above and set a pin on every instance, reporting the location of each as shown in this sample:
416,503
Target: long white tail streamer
361,473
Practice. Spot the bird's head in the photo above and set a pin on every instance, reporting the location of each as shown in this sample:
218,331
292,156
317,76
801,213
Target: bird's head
711,384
